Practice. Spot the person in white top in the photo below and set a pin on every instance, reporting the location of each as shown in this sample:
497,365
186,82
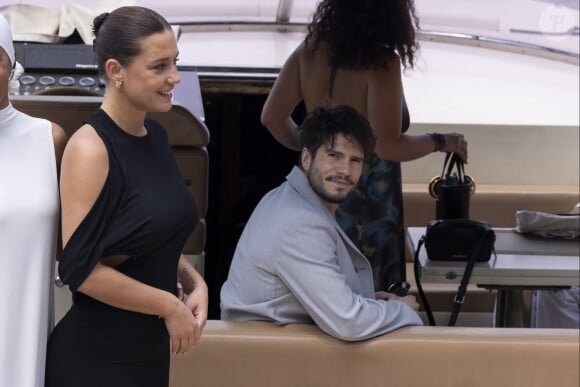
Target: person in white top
557,308
30,153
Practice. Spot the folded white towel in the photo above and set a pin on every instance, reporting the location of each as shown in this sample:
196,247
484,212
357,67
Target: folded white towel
547,225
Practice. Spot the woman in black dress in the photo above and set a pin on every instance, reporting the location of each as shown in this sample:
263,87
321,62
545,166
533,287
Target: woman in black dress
126,214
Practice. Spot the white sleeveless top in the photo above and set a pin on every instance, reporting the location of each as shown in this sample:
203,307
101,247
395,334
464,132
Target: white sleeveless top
29,210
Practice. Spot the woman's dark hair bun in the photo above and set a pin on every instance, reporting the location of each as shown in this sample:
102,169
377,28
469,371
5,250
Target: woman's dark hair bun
98,22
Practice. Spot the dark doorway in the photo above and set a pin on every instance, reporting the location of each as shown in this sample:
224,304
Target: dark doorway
245,163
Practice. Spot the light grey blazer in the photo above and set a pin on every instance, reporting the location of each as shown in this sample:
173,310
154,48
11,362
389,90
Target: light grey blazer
294,264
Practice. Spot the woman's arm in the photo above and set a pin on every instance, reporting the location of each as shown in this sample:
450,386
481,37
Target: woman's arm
384,112
111,287
281,102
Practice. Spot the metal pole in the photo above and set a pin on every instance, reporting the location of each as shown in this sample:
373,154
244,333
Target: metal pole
284,8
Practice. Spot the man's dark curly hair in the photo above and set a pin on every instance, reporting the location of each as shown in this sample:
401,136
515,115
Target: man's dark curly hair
365,33
321,126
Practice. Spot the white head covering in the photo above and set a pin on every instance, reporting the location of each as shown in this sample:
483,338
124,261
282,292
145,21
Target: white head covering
6,39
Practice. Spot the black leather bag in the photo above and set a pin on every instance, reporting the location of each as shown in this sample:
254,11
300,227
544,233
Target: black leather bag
452,189
454,240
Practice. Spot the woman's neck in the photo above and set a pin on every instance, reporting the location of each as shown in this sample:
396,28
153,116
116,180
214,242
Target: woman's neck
126,117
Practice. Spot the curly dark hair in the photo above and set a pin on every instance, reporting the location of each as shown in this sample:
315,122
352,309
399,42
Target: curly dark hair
365,33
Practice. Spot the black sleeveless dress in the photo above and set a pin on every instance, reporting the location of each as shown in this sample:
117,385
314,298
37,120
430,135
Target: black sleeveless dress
144,211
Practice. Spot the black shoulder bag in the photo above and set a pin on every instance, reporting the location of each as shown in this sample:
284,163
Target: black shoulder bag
454,240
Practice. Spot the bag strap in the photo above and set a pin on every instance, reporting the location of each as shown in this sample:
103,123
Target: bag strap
460,296
417,273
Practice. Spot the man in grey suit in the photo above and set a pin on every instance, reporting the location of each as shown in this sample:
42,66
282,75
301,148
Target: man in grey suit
293,263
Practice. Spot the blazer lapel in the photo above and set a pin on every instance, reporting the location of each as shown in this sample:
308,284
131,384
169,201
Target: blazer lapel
299,181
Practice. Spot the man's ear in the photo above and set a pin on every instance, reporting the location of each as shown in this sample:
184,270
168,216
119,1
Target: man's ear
305,159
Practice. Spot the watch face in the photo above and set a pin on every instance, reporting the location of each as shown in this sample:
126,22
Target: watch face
442,140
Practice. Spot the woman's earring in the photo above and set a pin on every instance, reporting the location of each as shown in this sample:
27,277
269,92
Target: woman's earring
118,84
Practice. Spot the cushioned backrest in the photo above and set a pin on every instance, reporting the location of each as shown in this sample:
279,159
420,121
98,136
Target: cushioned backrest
262,354
188,137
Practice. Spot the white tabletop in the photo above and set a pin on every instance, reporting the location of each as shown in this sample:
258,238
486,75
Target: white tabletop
543,267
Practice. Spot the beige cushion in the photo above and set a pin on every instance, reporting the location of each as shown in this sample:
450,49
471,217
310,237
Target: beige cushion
261,354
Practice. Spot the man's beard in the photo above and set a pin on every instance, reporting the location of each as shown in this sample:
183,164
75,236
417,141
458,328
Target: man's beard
317,183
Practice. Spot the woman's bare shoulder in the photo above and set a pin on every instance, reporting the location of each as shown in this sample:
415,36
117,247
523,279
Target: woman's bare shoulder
310,54
391,69
86,147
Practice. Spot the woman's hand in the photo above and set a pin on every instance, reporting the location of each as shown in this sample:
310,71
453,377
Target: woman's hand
456,143
182,328
197,302
187,320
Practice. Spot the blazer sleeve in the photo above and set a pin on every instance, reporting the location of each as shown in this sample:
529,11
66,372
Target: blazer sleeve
308,264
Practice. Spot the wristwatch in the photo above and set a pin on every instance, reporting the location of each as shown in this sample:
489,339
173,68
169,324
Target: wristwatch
440,141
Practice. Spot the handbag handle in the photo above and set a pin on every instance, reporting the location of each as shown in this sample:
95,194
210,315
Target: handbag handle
452,160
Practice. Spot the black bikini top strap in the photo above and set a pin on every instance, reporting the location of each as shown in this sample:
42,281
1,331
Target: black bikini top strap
331,81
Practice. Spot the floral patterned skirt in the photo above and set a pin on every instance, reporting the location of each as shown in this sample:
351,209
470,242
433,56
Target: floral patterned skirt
372,216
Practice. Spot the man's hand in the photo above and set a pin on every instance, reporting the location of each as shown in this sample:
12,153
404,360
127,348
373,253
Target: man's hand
409,300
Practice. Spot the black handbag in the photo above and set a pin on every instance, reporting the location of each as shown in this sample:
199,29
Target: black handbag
454,240
452,189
